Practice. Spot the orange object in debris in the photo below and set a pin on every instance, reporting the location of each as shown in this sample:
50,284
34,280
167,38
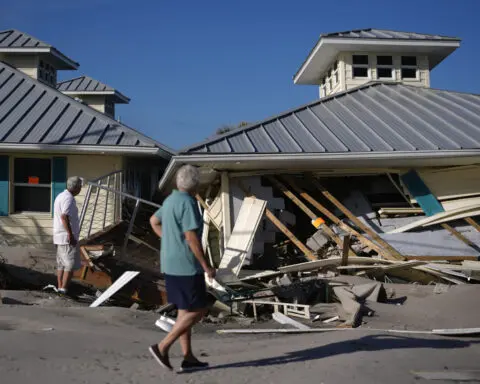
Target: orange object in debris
318,222
33,179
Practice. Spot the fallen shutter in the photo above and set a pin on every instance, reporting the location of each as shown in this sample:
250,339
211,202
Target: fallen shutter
4,185
59,177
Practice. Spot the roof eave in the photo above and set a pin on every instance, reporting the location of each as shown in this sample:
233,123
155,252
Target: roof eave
117,96
66,62
335,45
338,160
84,149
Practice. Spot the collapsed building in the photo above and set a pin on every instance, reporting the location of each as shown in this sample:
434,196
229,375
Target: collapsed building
379,178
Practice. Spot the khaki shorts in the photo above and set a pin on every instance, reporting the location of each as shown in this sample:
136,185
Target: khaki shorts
68,258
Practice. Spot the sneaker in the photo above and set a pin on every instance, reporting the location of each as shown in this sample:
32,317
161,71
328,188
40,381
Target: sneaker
191,366
162,360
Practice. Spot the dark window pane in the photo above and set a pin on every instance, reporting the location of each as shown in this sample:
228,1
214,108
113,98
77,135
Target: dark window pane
25,168
409,73
360,59
385,73
409,60
384,60
360,72
32,199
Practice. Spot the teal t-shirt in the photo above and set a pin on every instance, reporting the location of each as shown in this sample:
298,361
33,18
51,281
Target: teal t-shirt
179,214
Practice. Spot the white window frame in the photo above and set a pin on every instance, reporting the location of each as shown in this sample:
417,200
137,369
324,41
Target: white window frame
417,74
15,184
361,66
384,66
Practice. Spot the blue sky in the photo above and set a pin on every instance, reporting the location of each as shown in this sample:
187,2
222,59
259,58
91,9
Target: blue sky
192,66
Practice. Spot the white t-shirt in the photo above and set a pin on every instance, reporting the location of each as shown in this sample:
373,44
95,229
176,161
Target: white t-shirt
65,205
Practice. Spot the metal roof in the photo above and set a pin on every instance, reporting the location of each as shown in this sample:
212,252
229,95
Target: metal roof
87,85
34,113
372,33
13,39
376,117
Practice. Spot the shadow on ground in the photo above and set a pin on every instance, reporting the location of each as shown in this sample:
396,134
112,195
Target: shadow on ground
366,343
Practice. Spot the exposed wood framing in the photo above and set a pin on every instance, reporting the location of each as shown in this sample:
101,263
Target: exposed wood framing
390,253
325,228
459,236
442,258
275,221
289,309
206,209
364,240
226,208
473,223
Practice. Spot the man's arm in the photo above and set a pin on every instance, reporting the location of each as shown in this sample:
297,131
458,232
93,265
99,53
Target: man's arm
66,224
156,225
196,246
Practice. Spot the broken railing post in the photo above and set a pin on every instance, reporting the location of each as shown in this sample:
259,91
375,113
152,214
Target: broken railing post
283,228
130,226
94,209
106,204
85,206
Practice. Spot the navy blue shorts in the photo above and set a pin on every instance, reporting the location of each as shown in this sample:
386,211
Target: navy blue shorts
187,292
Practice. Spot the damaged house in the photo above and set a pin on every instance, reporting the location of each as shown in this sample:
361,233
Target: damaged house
50,131
381,158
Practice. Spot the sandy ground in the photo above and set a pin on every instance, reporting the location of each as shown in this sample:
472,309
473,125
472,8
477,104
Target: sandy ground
53,342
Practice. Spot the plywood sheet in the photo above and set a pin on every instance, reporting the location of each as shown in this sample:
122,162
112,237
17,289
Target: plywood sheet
241,238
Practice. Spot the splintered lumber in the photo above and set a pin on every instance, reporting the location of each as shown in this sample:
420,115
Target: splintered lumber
473,223
319,330
334,261
459,236
389,253
241,238
275,221
325,228
364,240
283,319
442,258
207,210
116,286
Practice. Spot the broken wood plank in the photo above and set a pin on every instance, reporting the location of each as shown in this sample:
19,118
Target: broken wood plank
243,234
334,261
346,247
226,207
456,331
324,227
319,330
459,236
364,240
389,253
116,286
399,211
473,223
275,221
207,210
282,319
444,258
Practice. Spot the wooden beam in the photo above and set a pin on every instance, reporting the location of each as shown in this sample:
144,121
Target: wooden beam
459,236
473,223
346,247
275,221
442,258
206,209
324,227
364,240
390,253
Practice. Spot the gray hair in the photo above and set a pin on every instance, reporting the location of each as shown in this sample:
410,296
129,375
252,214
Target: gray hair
188,178
74,182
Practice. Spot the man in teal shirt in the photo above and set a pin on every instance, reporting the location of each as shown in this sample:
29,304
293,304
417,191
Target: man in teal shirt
179,224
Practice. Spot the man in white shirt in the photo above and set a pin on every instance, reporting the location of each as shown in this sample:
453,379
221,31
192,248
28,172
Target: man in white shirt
66,230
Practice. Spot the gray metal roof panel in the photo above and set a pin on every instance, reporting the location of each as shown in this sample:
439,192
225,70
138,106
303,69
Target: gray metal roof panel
14,39
83,84
377,117
373,33
34,113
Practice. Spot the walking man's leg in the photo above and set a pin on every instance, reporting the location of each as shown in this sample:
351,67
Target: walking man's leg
59,278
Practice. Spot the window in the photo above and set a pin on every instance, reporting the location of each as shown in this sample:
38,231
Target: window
360,65
47,73
385,67
32,185
409,67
